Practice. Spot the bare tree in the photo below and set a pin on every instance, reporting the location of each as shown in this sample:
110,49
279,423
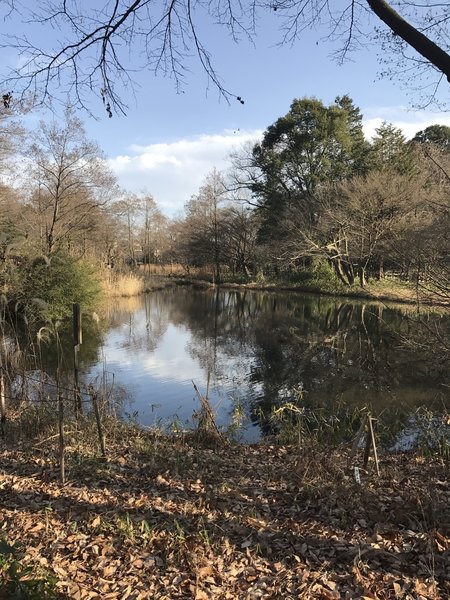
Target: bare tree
154,236
205,224
129,209
92,53
69,179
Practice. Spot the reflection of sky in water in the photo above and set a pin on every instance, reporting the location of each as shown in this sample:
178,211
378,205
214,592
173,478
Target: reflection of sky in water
159,380
169,363
259,348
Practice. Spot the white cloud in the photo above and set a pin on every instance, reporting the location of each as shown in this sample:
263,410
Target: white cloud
409,121
173,171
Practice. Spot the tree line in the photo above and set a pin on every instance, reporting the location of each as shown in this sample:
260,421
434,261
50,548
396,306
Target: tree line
314,191
312,194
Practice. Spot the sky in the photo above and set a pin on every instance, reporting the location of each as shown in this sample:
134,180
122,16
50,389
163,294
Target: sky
168,141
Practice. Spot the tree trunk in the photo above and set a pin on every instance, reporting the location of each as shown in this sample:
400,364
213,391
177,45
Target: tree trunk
339,270
417,40
380,269
362,277
2,404
348,268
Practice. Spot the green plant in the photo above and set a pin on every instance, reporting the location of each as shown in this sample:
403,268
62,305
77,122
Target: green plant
51,285
288,420
23,583
323,274
237,418
260,277
180,534
127,526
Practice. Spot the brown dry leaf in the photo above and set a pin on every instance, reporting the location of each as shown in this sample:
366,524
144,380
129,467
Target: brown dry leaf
281,532
397,589
329,595
108,571
443,540
205,572
423,589
96,521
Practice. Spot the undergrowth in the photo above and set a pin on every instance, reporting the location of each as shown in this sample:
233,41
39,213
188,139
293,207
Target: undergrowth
19,582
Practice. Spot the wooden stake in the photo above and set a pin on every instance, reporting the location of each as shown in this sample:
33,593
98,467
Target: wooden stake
2,405
62,467
374,446
370,441
358,437
77,340
101,435
367,448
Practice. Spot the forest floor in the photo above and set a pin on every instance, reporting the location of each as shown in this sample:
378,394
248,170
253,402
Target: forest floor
169,518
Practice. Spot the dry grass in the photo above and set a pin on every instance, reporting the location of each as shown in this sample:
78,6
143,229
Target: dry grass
119,285
172,269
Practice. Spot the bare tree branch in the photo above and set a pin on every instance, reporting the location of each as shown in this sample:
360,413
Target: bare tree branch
91,54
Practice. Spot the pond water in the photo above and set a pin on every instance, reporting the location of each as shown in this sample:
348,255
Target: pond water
254,351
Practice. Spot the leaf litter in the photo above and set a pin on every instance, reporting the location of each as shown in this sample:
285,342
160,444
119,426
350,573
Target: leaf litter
167,518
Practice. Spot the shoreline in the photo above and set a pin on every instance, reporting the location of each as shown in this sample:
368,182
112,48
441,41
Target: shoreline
371,294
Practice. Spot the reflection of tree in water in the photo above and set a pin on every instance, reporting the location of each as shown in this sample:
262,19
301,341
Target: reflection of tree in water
334,350
219,332
339,352
142,321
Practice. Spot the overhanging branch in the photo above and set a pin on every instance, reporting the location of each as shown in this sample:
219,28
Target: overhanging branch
412,36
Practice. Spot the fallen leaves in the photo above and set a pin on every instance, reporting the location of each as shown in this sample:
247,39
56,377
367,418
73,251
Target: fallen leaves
166,521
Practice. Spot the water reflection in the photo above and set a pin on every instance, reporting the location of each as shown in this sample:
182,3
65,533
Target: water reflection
261,349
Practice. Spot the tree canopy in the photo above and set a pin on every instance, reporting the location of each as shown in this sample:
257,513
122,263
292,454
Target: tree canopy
308,146
434,134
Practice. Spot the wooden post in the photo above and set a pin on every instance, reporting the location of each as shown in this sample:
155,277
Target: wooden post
62,467
358,437
77,340
101,435
374,446
367,448
2,404
370,441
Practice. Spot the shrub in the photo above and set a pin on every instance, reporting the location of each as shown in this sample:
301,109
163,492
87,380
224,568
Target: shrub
50,286
322,272
23,582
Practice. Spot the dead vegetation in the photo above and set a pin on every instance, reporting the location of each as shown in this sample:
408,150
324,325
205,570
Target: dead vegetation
167,518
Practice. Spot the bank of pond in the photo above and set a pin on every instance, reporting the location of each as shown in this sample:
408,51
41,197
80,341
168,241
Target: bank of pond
322,360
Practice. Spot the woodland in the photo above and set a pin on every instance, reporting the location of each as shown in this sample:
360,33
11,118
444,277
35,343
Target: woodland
93,507
313,202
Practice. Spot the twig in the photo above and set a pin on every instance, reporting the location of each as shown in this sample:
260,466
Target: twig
207,408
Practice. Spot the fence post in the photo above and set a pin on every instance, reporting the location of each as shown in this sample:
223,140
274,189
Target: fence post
2,403
77,340
62,467
101,435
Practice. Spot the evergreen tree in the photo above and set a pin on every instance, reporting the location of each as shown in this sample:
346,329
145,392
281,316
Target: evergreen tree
311,145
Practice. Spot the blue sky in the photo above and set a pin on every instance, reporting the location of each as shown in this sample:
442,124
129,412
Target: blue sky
168,142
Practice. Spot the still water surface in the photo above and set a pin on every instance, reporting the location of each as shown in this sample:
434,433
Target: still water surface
260,350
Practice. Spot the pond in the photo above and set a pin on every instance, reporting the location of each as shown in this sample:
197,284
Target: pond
253,351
